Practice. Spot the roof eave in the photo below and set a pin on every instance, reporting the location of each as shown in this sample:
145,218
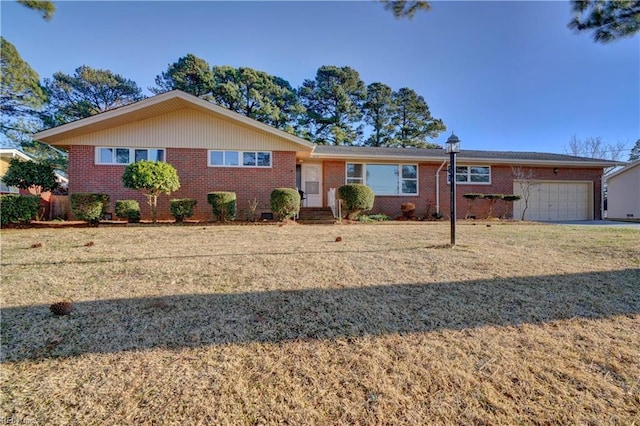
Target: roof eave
462,159
49,135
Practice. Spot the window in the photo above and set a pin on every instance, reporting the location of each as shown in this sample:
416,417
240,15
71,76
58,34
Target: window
472,175
355,173
385,179
149,154
239,159
127,155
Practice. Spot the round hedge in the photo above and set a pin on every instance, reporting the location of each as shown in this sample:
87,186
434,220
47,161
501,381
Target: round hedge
128,209
285,202
182,208
223,205
357,198
88,206
16,208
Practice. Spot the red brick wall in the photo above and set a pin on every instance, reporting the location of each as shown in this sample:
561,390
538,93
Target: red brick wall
501,183
196,180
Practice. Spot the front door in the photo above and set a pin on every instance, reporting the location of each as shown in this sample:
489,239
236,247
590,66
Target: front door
312,184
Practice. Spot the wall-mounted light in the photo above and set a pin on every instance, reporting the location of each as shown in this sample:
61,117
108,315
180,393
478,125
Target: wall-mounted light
555,170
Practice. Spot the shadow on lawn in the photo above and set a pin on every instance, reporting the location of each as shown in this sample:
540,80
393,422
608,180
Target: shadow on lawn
195,320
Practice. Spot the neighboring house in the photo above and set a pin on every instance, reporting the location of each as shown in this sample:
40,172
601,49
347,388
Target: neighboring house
214,149
623,192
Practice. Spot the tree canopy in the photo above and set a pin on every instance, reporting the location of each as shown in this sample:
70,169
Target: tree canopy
609,20
28,174
413,122
378,112
333,101
189,74
87,92
635,152
405,8
20,90
46,8
594,147
256,94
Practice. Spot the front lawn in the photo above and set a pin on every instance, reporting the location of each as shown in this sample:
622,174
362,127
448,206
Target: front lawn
519,324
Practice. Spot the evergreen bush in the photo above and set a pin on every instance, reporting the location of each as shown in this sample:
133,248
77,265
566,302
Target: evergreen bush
223,205
357,198
285,202
16,208
182,208
89,207
128,209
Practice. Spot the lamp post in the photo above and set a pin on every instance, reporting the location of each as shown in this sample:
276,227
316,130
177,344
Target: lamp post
452,148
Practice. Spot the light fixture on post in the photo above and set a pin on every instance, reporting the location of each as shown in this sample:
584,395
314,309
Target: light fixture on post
452,148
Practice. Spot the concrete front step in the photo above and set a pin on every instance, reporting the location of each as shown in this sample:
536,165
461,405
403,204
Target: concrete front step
316,215
317,221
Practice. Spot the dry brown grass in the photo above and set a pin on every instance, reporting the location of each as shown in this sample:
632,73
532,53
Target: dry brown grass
519,324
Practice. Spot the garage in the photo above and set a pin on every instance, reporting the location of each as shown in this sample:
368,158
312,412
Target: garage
554,200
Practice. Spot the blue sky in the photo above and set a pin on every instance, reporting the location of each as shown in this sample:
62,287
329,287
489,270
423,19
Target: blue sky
502,75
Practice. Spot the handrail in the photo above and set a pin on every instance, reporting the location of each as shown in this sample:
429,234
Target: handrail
331,200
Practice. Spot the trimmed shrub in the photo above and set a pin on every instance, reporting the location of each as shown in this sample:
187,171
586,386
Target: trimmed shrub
493,198
89,207
182,208
18,208
408,210
223,204
471,197
509,199
128,209
357,199
285,202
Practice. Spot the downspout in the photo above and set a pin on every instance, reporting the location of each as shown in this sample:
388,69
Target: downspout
438,186
601,197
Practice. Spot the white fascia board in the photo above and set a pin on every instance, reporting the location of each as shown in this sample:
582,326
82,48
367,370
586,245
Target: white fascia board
460,159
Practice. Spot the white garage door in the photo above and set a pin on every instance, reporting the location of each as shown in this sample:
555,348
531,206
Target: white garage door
554,200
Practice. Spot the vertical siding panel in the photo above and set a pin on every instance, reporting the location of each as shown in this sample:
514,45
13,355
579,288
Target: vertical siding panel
185,128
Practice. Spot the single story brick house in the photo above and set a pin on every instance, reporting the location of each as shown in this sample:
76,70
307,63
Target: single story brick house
214,149
623,192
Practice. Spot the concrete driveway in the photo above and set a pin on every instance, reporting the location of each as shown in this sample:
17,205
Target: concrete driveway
609,223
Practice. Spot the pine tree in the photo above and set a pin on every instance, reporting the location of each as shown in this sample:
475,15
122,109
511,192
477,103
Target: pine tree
378,112
333,101
87,92
635,152
189,74
413,121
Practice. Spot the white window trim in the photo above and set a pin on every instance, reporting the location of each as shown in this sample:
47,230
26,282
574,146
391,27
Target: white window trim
240,157
363,179
469,175
132,154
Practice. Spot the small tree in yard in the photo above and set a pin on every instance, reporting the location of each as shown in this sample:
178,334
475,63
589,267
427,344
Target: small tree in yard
28,174
152,178
525,180
31,174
